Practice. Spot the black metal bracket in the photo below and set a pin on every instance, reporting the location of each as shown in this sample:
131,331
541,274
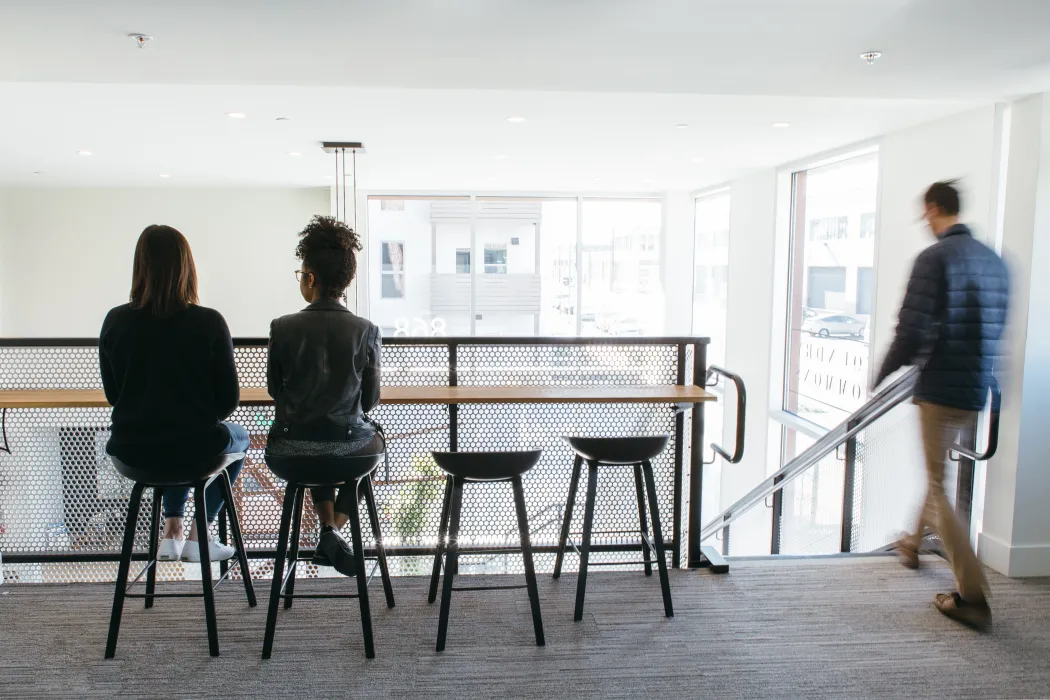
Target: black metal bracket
3,430
993,432
741,414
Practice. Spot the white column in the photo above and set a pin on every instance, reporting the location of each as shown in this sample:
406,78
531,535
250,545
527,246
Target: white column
676,262
1016,535
749,322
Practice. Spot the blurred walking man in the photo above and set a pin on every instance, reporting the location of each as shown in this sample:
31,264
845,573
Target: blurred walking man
950,325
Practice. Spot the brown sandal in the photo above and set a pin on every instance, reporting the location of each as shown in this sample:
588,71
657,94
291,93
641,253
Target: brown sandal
975,615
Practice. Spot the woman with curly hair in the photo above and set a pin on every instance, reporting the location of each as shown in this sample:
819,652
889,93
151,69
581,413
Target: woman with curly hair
323,374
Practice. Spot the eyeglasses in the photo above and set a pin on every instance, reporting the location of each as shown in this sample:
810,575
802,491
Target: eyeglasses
299,275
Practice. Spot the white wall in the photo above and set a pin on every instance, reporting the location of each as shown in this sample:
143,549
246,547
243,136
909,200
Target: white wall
748,339
676,262
5,258
962,146
73,252
1016,535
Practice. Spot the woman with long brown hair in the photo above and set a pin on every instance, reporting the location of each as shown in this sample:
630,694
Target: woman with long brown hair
168,370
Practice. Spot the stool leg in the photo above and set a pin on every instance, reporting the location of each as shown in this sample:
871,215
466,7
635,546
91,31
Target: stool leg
122,570
290,496
570,501
238,539
526,553
362,573
451,560
373,516
585,544
435,574
154,527
658,537
203,537
224,537
293,545
640,490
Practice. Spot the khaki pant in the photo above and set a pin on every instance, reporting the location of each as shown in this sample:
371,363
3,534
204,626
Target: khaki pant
940,426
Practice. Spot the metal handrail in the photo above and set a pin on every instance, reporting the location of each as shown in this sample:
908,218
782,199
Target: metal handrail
741,414
899,391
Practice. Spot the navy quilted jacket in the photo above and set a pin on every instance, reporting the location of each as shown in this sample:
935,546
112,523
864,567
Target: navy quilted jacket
951,321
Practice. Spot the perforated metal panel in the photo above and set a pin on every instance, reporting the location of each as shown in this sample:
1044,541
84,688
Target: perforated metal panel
59,494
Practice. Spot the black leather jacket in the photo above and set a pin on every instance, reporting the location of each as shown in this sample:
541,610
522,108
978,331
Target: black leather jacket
323,373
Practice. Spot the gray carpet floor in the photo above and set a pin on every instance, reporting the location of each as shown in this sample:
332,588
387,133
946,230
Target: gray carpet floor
844,628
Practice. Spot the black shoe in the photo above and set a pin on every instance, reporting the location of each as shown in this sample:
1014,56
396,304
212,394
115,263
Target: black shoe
336,551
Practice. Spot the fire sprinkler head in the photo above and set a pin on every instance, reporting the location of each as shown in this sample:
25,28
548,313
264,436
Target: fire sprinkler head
141,39
870,57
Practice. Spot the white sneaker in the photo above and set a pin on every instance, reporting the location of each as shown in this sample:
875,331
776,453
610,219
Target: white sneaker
217,551
170,549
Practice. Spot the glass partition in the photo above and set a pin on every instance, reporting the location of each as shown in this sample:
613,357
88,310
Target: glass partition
832,288
514,266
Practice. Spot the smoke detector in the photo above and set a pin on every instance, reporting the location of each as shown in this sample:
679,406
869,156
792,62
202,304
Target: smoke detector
141,39
870,57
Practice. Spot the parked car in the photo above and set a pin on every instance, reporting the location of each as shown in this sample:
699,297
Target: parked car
834,324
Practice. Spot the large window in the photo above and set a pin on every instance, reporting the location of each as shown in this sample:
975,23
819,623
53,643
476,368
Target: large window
620,273
831,288
512,266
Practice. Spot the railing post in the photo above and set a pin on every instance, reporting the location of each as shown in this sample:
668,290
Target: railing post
453,409
778,512
696,461
964,477
848,488
679,465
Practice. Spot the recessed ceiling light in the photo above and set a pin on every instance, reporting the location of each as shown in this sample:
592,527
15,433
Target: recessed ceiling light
781,125
294,153
236,115
491,179
500,157
596,179
38,172
83,153
516,120
163,175
870,57
698,159
681,126
282,119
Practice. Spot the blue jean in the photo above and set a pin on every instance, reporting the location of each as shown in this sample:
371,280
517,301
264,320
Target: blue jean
173,503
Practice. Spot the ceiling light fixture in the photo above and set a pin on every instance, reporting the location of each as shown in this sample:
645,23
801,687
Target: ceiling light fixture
698,159
163,175
141,39
681,126
282,119
501,157
781,125
516,120
236,115
294,154
870,57
83,153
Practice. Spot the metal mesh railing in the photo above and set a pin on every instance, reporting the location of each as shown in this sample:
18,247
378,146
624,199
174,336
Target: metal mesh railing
59,494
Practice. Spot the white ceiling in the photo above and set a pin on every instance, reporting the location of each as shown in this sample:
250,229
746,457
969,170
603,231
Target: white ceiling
427,86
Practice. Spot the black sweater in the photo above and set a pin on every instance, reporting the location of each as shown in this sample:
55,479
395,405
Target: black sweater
171,382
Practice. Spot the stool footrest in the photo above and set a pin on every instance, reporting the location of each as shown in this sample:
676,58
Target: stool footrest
488,588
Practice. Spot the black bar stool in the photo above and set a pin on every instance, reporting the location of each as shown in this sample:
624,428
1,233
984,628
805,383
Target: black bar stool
199,478
637,452
302,473
466,467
